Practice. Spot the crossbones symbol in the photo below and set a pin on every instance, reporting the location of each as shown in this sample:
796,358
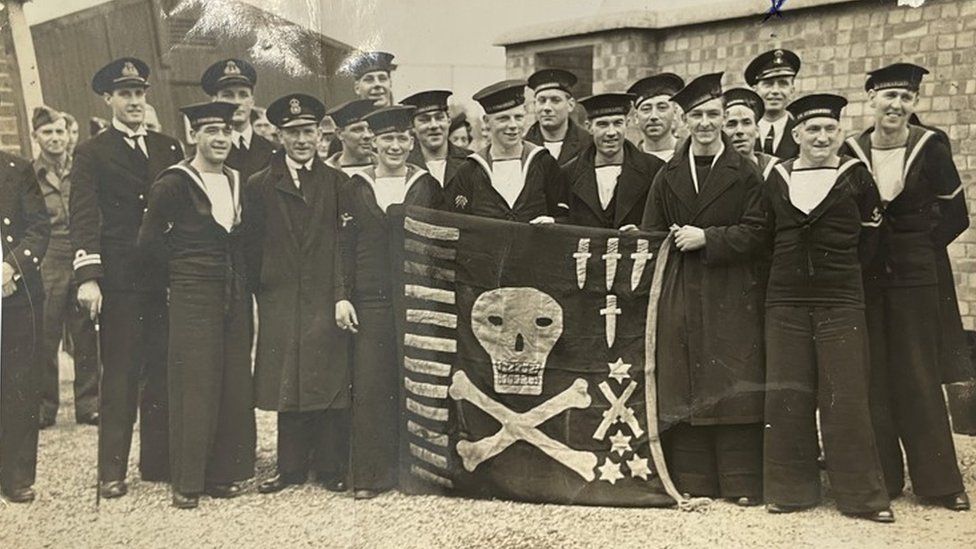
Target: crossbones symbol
523,426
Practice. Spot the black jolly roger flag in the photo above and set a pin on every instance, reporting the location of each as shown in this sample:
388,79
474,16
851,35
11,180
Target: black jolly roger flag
523,352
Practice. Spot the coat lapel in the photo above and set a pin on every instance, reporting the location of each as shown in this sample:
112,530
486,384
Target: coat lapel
679,178
313,200
585,185
720,178
631,185
283,185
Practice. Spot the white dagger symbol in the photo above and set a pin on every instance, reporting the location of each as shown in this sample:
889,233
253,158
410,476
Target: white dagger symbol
611,258
640,257
581,255
610,312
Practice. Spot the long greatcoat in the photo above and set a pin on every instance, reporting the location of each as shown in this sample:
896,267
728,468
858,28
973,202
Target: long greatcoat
301,360
255,159
627,205
710,346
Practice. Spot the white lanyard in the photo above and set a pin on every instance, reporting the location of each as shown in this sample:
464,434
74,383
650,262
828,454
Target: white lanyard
691,162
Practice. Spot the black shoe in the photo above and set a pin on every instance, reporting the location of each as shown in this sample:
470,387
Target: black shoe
88,419
746,501
185,501
113,489
885,516
20,495
276,484
45,422
778,509
956,502
364,494
224,491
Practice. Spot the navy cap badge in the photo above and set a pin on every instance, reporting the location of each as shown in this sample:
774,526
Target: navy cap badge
232,68
129,69
294,106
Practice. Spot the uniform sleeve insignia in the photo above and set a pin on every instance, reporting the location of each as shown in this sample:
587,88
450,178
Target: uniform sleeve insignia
461,201
346,218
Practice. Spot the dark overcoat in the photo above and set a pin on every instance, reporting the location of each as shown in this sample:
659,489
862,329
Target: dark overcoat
787,147
301,362
455,157
627,205
576,141
254,159
710,346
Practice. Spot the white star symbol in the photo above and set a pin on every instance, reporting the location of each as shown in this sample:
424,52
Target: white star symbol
618,370
638,467
620,443
610,471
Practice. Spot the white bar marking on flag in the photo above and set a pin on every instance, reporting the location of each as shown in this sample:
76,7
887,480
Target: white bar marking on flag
437,439
430,457
430,250
435,318
430,294
427,230
430,271
428,390
429,412
428,367
430,343
424,474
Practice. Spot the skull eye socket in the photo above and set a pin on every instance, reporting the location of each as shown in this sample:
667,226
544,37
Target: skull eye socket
495,320
543,322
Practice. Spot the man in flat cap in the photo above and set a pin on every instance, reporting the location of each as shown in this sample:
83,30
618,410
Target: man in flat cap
301,370
24,231
823,213
61,313
510,178
710,356
352,131
771,75
431,124
743,107
193,230
460,131
609,180
111,176
655,113
233,81
916,338
365,295
554,128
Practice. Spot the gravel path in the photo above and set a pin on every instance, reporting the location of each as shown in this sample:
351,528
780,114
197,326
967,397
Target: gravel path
64,515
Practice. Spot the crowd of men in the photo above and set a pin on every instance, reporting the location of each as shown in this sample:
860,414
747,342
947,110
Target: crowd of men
811,274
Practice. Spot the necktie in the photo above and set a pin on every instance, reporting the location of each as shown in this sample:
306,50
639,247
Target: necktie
304,174
138,142
770,139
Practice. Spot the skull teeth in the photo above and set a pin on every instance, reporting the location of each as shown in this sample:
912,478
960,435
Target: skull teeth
523,378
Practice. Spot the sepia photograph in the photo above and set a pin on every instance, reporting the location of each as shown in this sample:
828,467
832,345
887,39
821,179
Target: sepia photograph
508,274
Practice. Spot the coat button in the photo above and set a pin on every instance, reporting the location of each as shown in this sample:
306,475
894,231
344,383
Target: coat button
36,261
6,221
141,197
27,252
10,238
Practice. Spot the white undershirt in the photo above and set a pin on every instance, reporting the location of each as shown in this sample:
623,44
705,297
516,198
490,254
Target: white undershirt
390,190
809,187
554,147
664,155
887,166
780,126
221,200
437,168
606,183
506,177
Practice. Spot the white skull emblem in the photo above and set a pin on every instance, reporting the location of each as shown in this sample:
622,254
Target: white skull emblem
518,327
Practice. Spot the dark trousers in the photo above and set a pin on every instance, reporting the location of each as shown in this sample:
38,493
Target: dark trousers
211,392
907,403
19,396
375,399
816,358
134,335
63,318
715,460
317,440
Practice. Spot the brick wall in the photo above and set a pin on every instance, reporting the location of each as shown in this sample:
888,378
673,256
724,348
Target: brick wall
838,44
12,127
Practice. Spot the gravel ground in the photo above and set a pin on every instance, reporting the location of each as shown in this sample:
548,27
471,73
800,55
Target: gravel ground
64,515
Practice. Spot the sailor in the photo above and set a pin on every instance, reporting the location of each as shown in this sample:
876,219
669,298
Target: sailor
656,116
743,107
431,124
772,75
555,128
352,131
